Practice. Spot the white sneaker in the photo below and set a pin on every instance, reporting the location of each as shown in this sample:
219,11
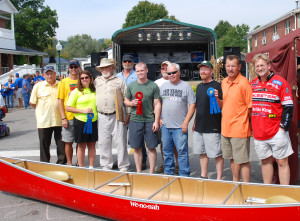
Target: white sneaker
91,167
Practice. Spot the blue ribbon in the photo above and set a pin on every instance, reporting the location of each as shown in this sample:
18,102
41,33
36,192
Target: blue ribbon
88,127
213,104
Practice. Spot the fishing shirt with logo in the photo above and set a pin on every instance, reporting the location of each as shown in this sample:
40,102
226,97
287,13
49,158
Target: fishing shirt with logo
175,100
272,106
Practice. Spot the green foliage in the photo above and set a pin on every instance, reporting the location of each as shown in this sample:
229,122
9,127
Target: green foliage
222,28
35,24
256,27
144,12
35,60
231,36
81,46
194,88
20,59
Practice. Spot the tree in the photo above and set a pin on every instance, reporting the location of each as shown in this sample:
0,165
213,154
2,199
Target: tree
146,11
105,43
222,28
81,46
231,36
35,24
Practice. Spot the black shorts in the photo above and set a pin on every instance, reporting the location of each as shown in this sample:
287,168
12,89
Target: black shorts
80,137
140,132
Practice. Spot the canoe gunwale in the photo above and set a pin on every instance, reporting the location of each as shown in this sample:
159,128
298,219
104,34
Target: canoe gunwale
149,201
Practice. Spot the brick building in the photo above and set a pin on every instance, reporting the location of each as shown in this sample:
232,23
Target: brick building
274,30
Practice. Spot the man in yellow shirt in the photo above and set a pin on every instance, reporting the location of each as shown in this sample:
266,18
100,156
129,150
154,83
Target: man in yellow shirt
44,100
65,87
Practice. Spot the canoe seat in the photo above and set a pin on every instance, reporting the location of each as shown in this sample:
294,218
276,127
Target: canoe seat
280,199
57,175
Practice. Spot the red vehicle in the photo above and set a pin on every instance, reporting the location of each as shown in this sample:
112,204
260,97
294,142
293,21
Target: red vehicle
131,196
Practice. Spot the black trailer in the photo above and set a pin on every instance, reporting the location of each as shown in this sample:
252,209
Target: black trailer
166,40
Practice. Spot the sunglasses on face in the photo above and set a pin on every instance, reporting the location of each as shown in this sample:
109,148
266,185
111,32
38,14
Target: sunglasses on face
127,61
73,67
174,72
84,78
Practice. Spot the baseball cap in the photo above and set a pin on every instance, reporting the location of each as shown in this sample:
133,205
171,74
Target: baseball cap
206,63
75,62
17,74
49,68
127,57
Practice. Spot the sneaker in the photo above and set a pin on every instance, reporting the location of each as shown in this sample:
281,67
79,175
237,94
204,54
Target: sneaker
176,170
91,167
115,165
160,169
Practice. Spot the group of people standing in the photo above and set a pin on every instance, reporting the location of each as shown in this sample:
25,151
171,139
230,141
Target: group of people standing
81,109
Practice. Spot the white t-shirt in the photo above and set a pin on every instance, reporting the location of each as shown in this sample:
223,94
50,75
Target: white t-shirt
160,82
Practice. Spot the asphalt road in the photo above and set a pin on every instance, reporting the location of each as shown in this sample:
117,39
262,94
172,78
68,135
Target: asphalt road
24,143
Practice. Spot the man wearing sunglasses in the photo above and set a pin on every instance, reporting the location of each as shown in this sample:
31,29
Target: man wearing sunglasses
65,87
178,107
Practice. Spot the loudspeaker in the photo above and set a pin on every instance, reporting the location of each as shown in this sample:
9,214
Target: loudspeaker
96,57
93,71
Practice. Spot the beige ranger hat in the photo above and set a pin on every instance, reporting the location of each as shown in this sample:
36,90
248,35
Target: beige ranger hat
105,62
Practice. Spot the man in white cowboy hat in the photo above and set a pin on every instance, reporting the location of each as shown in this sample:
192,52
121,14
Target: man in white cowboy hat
108,126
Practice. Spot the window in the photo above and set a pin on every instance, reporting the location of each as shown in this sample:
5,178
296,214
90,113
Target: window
275,30
265,34
287,27
255,41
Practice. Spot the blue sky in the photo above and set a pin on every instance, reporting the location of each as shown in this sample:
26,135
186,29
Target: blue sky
101,18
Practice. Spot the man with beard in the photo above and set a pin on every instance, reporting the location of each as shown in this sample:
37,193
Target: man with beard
272,113
235,125
65,87
128,75
207,125
109,128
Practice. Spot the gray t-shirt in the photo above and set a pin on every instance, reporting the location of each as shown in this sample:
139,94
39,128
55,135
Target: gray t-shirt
175,100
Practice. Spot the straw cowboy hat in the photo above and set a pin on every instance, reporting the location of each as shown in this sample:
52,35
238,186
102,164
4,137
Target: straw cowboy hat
105,62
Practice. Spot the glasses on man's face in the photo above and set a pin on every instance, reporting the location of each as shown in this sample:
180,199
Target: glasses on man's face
127,61
73,67
84,78
174,72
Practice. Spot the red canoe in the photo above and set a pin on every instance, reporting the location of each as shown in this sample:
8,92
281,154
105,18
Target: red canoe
131,196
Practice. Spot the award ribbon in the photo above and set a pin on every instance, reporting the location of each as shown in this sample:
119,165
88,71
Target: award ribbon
213,104
88,127
139,108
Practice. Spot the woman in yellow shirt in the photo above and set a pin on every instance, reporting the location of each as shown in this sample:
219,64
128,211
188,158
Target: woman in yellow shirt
82,102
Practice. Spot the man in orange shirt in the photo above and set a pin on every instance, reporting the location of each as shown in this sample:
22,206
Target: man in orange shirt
236,112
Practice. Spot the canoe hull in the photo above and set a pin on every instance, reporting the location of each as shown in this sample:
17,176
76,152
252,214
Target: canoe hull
20,182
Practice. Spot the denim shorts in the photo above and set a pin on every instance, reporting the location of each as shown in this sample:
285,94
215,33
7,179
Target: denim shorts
140,132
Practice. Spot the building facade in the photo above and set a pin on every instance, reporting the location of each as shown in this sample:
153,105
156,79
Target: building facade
274,30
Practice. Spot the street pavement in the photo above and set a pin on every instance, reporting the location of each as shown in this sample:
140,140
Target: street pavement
23,142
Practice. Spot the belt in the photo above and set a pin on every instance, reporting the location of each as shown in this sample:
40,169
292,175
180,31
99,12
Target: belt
107,113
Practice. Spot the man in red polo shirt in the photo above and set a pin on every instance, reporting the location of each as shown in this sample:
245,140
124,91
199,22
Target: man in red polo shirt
272,113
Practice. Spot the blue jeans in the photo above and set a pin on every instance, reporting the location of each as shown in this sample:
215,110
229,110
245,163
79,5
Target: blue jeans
10,100
26,97
169,137
1,113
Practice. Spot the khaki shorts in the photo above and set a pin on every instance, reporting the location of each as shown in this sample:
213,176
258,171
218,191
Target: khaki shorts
237,149
68,134
278,146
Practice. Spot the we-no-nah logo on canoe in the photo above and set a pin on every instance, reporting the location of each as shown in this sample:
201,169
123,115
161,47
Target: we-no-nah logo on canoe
144,206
